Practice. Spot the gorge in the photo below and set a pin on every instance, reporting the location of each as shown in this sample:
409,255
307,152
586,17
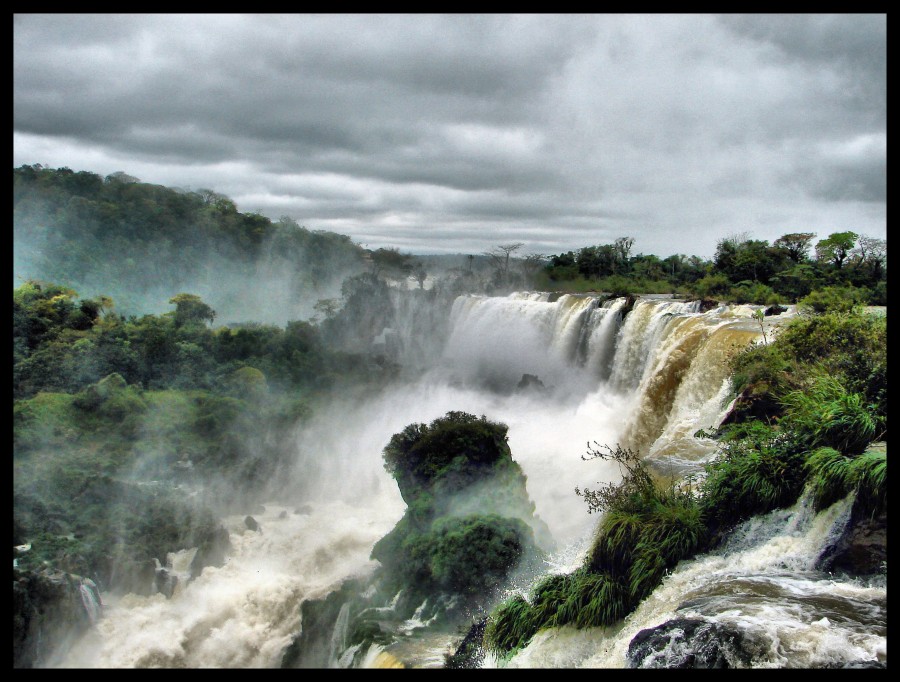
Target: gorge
561,372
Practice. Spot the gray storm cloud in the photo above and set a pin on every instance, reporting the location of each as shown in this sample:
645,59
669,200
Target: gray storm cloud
454,133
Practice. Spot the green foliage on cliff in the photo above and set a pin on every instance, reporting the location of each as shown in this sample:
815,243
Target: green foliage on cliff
758,469
59,347
101,400
466,526
851,348
127,238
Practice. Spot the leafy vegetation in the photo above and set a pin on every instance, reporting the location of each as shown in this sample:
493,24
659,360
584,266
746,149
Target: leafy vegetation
451,540
141,243
104,402
846,269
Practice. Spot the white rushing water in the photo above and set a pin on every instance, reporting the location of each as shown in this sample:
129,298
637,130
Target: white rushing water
762,583
648,382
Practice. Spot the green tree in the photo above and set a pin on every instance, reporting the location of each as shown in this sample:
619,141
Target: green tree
869,257
836,247
190,309
391,262
796,245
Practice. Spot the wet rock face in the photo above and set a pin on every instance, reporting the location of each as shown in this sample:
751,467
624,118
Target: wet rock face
861,550
49,608
211,551
470,652
688,643
315,645
165,582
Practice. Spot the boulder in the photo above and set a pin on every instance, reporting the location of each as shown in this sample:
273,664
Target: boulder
211,551
688,643
861,549
50,608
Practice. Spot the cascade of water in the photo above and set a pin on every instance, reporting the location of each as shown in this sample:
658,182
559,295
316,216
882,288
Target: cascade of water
600,336
682,344
701,399
339,635
652,379
90,599
568,327
763,585
495,341
638,338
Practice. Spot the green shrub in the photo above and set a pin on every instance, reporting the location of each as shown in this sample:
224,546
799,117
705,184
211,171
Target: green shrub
247,382
827,414
715,286
460,446
753,474
839,299
851,347
754,292
619,286
46,420
833,476
473,554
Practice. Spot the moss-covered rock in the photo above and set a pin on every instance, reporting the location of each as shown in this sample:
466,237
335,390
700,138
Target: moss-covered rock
469,521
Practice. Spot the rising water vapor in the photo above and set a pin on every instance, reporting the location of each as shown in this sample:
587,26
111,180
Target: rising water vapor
597,375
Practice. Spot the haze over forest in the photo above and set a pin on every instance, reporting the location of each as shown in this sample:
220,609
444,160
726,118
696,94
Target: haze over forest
314,315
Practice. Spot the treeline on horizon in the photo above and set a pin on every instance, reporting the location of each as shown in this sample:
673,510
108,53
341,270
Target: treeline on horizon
119,237
80,230
795,266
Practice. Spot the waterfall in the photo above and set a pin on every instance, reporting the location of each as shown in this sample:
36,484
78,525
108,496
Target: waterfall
640,336
339,636
761,584
648,378
90,599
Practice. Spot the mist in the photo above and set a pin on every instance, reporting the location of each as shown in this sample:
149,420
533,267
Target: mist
141,244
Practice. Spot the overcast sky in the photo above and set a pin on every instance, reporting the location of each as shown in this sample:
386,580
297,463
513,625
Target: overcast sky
454,134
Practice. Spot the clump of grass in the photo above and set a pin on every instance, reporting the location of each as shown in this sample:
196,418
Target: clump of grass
647,528
833,476
583,598
826,414
757,470
592,600
829,476
869,472
510,626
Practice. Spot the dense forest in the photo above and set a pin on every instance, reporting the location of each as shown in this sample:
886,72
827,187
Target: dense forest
843,265
124,373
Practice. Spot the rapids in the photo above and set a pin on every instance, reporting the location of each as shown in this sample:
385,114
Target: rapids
647,380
